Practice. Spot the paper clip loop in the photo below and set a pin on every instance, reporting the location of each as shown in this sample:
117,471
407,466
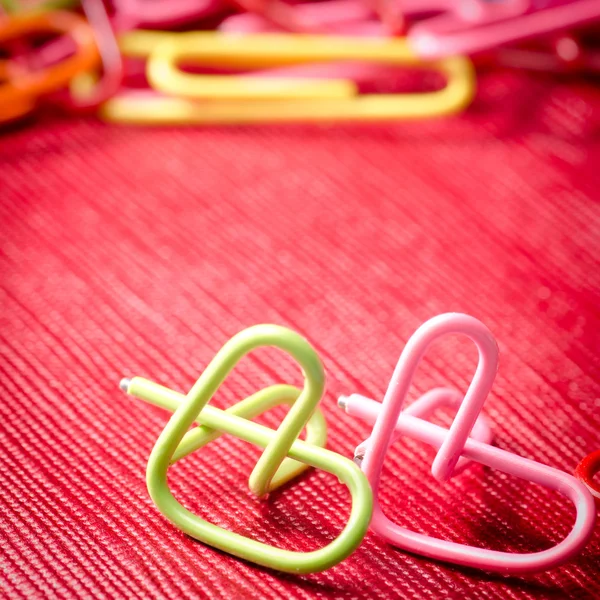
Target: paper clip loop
224,99
272,469
453,443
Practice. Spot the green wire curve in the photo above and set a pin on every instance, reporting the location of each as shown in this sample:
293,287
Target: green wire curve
271,469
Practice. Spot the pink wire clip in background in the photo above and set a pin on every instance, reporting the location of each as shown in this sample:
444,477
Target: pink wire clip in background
338,17
112,62
333,17
61,48
454,443
470,26
134,14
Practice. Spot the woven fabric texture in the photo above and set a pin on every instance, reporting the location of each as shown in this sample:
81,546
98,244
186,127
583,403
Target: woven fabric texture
131,251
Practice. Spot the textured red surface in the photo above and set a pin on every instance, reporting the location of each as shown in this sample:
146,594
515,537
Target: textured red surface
131,251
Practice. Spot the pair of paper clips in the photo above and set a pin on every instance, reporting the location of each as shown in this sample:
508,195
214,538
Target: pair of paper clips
276,96
468,439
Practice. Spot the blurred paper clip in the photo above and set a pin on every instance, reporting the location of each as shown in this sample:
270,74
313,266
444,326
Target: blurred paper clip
563,53
279,461
188,98
21,87
133,14
85,91
454,445
471,26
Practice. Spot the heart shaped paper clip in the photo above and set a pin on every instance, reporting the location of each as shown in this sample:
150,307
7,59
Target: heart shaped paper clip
455,443
273,468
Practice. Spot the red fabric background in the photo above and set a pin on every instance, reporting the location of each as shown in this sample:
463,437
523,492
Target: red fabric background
135,251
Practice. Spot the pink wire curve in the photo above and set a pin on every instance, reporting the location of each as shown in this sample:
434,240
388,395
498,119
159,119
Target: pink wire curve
112,61
472,26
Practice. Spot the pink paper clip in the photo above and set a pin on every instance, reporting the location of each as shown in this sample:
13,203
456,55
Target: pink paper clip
60,49
338,17
586,470
472,26
455,444
563,53
134,14
112,62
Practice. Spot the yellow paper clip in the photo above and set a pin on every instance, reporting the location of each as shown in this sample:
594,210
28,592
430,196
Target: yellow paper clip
165,50
225,99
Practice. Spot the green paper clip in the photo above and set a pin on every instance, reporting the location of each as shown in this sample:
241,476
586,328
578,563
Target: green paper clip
284,457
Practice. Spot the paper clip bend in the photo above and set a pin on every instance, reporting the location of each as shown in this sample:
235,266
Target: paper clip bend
453,443
271,470
225,99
